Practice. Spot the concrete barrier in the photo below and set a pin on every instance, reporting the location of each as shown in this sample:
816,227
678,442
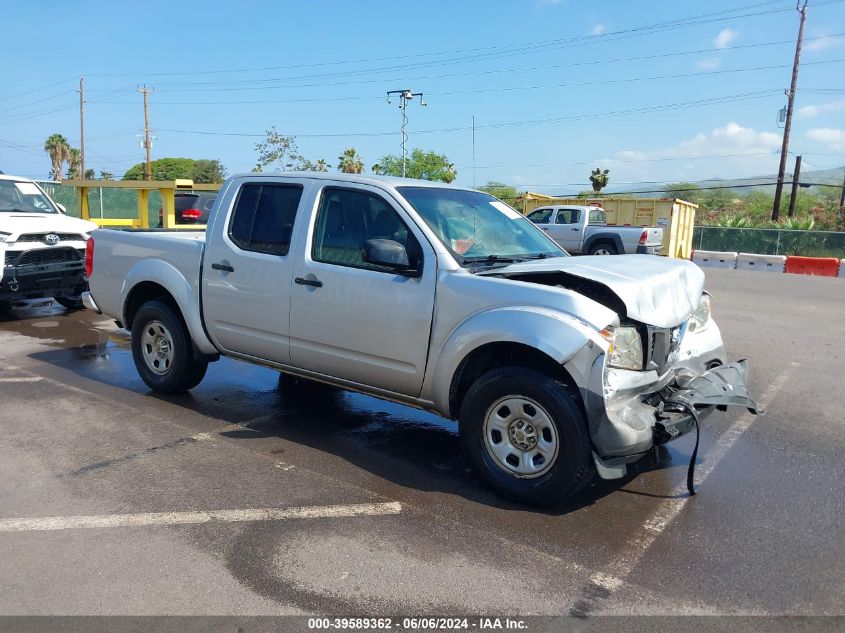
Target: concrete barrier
842,267
824,266
764,263
714,259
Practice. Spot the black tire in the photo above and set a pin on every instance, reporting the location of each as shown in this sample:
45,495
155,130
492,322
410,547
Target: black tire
570,471
184,371
5,308
606,248
70,303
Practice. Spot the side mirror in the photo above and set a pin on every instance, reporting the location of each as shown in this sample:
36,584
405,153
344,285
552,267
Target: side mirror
62,208
389,254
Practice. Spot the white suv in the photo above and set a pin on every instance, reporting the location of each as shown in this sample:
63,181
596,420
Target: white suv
43,249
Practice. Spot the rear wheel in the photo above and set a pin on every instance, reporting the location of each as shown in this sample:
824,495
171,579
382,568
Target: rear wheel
526,436
162,350
70,303
603,248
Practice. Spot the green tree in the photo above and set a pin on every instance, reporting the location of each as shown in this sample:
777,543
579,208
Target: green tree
206,170
421,165
278,151
74,162
501,191
350,162
688,191
599,179
58,149
90,174
106,175
162,169
303,164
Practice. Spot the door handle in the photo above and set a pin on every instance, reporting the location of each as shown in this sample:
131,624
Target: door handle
574,229
223,267
316,283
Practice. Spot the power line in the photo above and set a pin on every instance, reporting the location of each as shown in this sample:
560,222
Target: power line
645,109
240,84
21,94
500,47
504,89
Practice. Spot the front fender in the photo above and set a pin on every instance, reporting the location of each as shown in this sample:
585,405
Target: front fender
559,336
186,296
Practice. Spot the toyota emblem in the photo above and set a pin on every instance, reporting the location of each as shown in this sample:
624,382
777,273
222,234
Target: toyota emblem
52,239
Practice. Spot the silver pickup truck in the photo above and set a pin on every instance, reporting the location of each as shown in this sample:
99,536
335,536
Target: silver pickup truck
435,296
584,230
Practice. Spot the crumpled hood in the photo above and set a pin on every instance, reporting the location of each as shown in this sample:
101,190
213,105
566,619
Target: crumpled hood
17,223
658,291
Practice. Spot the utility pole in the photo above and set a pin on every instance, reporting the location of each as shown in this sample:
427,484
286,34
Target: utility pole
842,201
790,100
794,195
145,91
405,97
81,92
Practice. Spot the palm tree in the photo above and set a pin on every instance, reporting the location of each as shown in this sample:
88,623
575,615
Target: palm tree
321,165
350,162
74,162
58,149
599,179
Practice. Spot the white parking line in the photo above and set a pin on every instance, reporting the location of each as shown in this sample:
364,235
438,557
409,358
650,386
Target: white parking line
669,509
201,516
21,379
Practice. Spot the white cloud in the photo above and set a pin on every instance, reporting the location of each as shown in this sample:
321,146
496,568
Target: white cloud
832,137
823,42
709,63
810,111
725,37
740,152
598,29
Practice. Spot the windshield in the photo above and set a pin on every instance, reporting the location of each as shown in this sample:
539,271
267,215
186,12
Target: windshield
477,227
23,197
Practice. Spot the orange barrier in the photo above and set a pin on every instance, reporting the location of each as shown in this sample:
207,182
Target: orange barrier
825,266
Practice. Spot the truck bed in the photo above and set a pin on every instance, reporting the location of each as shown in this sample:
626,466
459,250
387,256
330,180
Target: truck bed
131,252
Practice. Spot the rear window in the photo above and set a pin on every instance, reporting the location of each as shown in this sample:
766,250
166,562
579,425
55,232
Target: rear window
185,202
597,216
262,220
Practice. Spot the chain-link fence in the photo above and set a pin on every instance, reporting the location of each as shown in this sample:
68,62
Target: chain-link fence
769,241
103,202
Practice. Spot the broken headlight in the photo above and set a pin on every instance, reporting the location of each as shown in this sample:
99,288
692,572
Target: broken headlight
701,316
626,348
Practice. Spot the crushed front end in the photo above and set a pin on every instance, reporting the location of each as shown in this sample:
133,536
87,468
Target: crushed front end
649,385
42,272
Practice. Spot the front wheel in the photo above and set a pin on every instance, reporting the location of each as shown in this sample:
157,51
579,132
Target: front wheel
525,435
162,350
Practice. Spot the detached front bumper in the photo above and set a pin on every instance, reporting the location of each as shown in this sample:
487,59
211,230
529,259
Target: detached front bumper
629,412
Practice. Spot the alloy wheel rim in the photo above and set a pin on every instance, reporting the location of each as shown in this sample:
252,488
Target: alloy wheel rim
520,437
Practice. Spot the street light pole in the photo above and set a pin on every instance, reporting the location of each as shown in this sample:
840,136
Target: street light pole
405,97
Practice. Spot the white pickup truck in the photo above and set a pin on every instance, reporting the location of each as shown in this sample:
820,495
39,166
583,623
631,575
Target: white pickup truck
584,230
435,296
42,248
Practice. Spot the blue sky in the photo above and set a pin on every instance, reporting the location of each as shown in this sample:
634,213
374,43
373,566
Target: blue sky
654,91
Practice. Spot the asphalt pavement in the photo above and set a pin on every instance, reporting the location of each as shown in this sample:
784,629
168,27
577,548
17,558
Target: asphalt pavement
255,494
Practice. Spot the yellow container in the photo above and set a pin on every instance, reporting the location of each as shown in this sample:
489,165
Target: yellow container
676,217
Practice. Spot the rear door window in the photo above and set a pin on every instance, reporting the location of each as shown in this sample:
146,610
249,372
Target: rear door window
568,216
262,220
